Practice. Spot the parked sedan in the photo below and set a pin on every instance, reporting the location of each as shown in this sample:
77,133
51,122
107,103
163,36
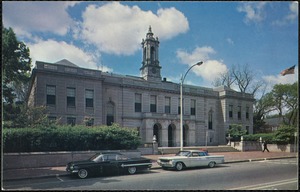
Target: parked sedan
190,158
107,163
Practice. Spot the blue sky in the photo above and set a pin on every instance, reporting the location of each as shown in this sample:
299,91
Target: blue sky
107,36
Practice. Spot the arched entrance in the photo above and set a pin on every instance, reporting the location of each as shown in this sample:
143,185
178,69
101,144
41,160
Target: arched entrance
157,133
171,135
185,134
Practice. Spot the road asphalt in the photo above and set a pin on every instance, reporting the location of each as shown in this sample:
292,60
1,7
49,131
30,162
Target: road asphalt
230,157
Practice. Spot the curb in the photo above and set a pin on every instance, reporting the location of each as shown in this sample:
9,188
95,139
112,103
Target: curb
155,167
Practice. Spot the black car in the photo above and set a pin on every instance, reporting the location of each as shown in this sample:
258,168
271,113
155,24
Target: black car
107,163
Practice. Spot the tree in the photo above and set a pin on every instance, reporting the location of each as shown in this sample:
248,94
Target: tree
242,77
262,107
282,99
236,131
285,99
16,64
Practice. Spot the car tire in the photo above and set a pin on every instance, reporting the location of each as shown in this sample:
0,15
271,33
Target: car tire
179,166
132,170
82,173
211,164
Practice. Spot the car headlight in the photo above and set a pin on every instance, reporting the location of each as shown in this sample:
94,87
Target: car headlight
72,167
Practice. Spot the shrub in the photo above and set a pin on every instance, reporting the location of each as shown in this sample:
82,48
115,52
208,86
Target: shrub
269,137
284,134
236,131
67,138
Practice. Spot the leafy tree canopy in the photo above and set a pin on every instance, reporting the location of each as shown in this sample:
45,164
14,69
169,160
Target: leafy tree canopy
16,64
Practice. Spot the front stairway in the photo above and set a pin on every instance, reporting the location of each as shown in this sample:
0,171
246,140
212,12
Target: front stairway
210,149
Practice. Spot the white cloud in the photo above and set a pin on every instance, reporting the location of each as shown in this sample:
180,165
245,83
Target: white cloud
254,11
230,41
36,16
290,17
199,54
118,29
53,51
210,69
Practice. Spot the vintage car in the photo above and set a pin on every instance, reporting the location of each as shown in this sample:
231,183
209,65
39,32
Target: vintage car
190,158
105,163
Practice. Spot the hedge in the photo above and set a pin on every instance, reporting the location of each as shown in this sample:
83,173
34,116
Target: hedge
68,138
283,135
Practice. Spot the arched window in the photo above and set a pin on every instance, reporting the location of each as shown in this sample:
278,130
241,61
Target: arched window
110,113
152,54
171,135
144,54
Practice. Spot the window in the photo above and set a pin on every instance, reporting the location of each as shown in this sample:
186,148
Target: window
138,103
152,54
239,112
89,98
71,121
247,112
110,117
167,105
247,129
153,104
70,97
210,116
230,111
51,95
193,107
195,154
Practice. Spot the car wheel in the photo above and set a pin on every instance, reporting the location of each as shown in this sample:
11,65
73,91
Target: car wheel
179,166
82,173
131,170
211,164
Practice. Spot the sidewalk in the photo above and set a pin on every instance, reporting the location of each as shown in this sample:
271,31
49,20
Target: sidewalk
230,157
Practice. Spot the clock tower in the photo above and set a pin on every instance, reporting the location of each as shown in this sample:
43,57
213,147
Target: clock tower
150,69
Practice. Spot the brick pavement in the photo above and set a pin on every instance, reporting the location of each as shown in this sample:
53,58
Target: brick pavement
230,157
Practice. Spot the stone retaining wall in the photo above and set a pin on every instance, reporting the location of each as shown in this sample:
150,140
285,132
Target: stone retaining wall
257,146
50,159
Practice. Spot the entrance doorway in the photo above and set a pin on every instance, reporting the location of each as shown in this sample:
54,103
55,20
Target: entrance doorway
171,135
157,133
185,135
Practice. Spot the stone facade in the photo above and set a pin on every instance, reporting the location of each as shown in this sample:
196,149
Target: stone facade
149,104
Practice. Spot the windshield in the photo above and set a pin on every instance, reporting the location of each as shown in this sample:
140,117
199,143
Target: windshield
183,153
97,158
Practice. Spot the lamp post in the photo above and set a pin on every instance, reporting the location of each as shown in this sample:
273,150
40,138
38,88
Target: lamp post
181,104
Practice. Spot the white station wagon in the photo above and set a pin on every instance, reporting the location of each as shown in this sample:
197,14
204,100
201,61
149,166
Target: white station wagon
190,158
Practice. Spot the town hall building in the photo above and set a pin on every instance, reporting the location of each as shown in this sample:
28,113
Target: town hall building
149,103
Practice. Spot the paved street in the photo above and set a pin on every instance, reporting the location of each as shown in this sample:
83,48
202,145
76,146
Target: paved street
264,174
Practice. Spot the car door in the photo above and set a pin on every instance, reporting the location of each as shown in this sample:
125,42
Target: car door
101,165
110,165
203,159
194,159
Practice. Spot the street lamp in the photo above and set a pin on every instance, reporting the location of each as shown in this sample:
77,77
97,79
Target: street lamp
181,104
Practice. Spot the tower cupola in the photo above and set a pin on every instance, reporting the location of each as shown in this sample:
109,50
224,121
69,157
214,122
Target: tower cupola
150,69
